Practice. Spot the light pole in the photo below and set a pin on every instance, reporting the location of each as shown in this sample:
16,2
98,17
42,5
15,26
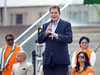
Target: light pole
5,12
1,16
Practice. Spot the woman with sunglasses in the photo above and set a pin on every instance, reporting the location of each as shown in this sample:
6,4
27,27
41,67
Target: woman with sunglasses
84,42
82,66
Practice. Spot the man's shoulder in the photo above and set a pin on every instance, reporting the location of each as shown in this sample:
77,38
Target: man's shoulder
78,51
28,63
47,23
89,68
90,50
2,47
16,64
17,45
64,21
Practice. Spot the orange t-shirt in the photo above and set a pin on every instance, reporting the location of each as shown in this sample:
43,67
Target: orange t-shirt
85,72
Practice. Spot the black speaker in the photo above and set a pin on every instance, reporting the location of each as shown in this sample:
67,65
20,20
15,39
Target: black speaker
34,61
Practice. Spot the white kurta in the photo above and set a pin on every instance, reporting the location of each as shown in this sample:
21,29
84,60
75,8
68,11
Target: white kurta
23,68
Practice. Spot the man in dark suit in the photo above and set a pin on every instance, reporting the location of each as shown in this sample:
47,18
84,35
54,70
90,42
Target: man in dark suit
57,35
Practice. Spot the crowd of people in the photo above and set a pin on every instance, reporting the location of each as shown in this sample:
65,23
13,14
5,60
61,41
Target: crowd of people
56,34
83,60
13,59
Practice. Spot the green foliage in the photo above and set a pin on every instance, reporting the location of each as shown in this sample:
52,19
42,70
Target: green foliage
98,9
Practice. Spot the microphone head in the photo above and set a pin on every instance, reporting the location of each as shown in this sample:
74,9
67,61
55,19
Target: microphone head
51,21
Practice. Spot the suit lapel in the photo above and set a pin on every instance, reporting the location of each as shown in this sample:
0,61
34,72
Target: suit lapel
58,26
56,29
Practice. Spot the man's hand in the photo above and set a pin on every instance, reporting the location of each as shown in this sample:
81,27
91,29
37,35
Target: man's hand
53,35
48,30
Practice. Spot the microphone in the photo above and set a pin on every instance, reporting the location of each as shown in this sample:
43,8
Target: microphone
51,24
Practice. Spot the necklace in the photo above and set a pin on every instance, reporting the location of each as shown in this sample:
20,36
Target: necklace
80,72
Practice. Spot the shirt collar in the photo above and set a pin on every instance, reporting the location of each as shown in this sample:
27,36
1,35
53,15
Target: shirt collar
22,62
56,22
84,50
11,46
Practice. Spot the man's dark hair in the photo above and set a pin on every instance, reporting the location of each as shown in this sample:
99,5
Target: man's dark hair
84,38
9,35
55,7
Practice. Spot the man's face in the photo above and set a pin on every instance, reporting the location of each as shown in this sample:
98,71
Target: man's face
54,14
10,40
19,57
84,44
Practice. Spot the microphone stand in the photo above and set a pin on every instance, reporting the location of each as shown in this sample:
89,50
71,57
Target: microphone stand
97,49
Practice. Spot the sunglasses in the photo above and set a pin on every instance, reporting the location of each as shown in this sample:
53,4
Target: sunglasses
10,39
80,56
84,42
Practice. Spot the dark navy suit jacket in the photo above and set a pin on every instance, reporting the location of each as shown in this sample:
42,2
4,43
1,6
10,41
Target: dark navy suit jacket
57,48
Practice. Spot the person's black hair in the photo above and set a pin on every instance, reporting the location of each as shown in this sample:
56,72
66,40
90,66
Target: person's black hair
84,38
9,35
86,63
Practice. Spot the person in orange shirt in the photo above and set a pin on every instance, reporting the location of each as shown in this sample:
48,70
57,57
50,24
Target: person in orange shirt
84,43
8,55
82,66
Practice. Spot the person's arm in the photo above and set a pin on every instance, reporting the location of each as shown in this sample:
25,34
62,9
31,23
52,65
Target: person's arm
0,54
67,36
92,59
73,60
43,36
41,70
30,70
12,73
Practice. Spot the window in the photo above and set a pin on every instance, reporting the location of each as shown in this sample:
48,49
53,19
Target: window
41,14
1,16
78,17
19,19
11,19
85,16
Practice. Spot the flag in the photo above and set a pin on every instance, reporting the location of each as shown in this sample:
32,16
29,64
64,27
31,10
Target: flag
91,1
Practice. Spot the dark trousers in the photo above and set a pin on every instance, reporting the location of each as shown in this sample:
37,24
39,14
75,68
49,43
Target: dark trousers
0,72
53,69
